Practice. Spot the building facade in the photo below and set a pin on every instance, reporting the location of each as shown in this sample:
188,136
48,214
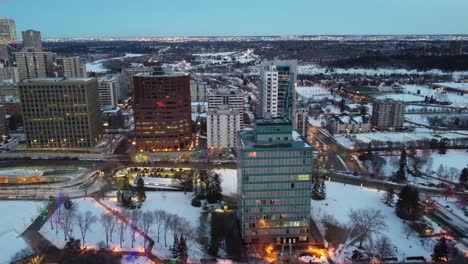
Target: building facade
61,114
32,40
127,79
198,91
109,89
35,64
3,124
69,67
227,97
274,183
162,111
348,124
388,115
7,30
301,114
277,88
222,127
9,74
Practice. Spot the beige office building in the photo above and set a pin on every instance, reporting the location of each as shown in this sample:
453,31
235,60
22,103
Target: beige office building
32,40
61,114
69,67
227,97
35,64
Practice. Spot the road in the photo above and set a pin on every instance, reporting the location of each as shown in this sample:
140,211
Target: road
335,157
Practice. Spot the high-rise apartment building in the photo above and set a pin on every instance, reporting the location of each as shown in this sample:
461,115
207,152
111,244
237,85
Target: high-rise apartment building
37,64
198,90
61,114
227,97
162,111
223,124
69,67
274,183
109,88
32,40
388,114
3,124
9,73
301,115
7,30
127,79
277,88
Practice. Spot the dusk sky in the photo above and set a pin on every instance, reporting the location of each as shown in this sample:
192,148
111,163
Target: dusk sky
157,18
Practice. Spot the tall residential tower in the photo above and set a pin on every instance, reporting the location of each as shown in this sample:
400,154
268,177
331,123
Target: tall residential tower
277,88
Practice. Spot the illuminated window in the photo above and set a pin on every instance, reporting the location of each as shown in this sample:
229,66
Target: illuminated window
252,154
303,177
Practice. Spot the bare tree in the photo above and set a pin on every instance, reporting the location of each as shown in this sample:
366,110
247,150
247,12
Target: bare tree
67,220
383,248
114,221
134,219
166,224
106,222
123,226
147,220
364,223
174,224
453,172
159,217
84,223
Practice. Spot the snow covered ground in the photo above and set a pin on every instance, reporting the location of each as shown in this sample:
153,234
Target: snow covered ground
315,69
17,216
402,97
97,66
342,198
309,92
96,233
402,136
171,202
455,99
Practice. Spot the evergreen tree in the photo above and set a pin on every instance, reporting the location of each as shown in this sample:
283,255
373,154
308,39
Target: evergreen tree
317,188
322,192
363,110
182,250
369,150
214,192
140,189
442,147
408,206
389,196
443,250
400,175
175,253
464,176
342,105
73,246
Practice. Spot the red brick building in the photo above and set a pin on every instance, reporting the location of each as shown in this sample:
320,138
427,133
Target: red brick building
162,110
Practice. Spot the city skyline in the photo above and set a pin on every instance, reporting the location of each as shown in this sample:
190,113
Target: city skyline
241,18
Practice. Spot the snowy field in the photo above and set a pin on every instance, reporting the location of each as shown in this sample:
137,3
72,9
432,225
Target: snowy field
228,180
17,217
342,198
97,66
96,233
176,203
315,69
455,99
402,136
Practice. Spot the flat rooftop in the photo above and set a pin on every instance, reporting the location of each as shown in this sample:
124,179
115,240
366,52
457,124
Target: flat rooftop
452,85
273,121
58,80
248,141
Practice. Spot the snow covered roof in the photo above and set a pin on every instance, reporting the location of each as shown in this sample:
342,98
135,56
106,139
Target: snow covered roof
452,85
